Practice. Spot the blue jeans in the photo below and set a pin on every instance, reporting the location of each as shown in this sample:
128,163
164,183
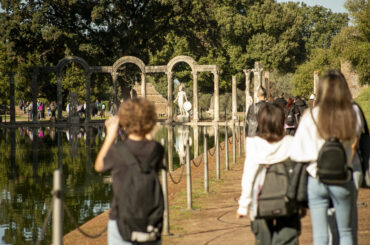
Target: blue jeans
319,196
114,237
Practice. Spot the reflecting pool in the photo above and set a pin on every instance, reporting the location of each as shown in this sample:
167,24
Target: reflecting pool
28,157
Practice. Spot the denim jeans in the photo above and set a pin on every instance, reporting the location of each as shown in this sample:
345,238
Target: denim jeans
319,195
114,237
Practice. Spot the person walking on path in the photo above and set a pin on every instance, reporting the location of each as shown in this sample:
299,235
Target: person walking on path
291,122
300,106
335,116
281,101
271,146
137,117
252,114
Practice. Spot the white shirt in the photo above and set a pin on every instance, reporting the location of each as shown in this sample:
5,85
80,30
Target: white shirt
259,151
307,142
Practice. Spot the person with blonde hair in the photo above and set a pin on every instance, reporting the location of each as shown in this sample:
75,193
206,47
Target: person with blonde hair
334,115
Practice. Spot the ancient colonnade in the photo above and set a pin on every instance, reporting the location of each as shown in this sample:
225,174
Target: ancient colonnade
113,70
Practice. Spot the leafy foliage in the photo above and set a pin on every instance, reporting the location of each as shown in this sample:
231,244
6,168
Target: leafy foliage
231,34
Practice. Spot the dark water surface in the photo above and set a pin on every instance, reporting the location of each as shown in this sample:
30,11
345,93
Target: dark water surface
28,157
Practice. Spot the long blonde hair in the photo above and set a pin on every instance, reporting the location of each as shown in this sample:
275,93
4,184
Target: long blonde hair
336,115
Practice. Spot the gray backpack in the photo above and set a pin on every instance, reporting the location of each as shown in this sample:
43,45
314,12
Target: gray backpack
283,191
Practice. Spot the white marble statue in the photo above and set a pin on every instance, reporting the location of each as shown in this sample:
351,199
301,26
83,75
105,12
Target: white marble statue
181,99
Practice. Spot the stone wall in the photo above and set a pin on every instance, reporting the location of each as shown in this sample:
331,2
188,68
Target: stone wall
153,96
352,78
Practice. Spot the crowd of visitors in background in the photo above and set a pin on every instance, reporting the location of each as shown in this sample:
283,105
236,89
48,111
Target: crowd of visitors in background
332,122
49,109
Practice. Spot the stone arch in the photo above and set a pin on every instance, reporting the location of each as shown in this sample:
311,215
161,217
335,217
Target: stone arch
63,62
129,59
59,69
192,63
182,58
121,61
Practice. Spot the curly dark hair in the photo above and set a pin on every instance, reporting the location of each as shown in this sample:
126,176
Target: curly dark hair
137,116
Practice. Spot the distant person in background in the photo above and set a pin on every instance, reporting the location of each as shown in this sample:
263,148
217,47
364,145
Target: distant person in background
290,118
300,106
53,108
21,104
312,101
281,101
67,109
271,99
102,108
253,110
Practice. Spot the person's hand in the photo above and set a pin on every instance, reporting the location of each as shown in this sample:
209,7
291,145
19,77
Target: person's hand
111,127
239,216
302,212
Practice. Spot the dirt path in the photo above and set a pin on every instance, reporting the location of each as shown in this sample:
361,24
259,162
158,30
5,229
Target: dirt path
212,220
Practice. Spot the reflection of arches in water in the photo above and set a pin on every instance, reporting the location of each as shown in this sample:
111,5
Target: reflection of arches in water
181,140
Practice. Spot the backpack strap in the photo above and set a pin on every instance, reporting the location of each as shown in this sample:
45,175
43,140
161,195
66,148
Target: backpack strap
313,119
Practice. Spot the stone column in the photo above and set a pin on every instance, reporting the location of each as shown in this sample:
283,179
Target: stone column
11,98
34,93
60,150
216,112
233,97
88,103
257,72
143,85
196,140
195,96
170,147
315,81
267,82
115,90
248,97
169,97
217,149
59,95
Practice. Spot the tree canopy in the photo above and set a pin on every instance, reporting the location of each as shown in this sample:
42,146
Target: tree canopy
351,44
230,33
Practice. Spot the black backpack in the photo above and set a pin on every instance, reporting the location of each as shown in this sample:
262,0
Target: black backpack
283,191
290,117
332,167
140,199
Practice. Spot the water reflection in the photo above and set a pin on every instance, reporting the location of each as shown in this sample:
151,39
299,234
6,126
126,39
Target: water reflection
28,157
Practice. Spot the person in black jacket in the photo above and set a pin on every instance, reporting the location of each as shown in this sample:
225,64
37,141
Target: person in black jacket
300,106
281,101
252,114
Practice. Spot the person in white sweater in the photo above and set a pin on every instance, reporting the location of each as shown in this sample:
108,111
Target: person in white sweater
269,147
335,116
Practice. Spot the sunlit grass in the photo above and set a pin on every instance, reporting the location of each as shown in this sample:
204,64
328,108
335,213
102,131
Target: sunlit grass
364,101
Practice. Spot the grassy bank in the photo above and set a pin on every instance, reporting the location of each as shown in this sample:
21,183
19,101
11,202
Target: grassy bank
364,101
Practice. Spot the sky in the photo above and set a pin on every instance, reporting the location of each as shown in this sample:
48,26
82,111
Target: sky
335,5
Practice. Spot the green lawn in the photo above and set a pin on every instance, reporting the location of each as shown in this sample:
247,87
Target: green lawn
364,101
